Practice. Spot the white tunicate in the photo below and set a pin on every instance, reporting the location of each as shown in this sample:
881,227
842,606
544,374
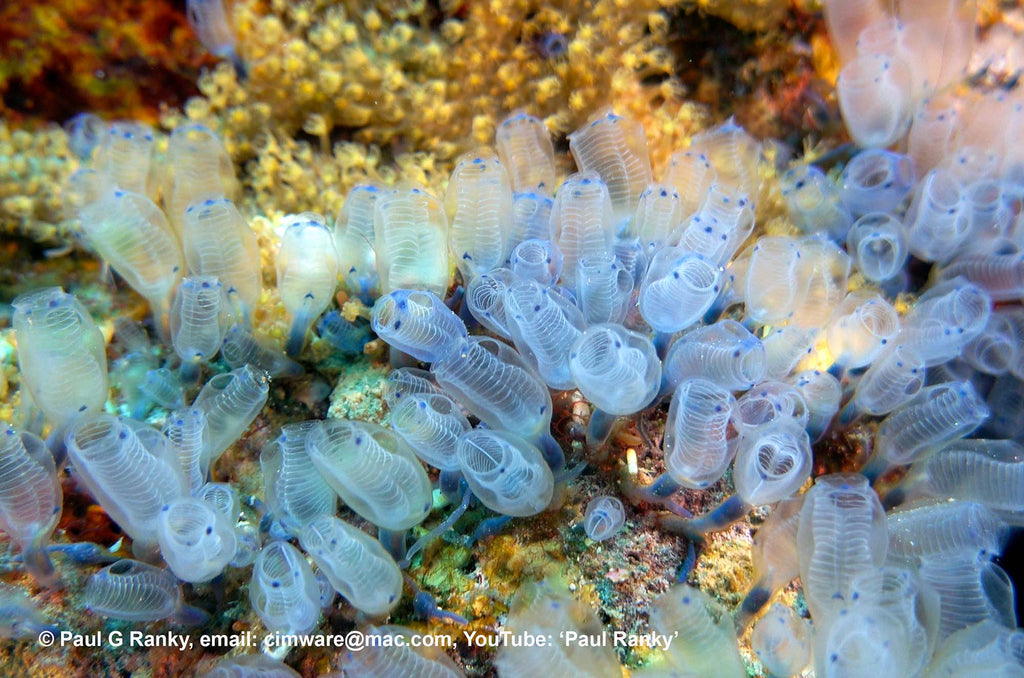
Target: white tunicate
241,347
615,148
418,323
231,402
411,241
604,517
431,424
544,325
373,471
658,213
996,349
61,355
733,154
583,221
604,289
525,148
137,592
30,498
769,401
697,449
209,20
130,232
550,613
124,158
878,244
842,532
691,174
616,369
678,289
539,260
196,541
531,217
355,563
860,327
876,180
725,353
938,221
485,297
895,376
932,131
943,528
295,491
772,288
704,638
197,322
875,99
197,168
283,589
392,651
479,207
491,380
822,393
945,319
1000,275
407,381
217,242
307,274
354,241
782,641
189,438
130,480
772,462
506,473
936,415
814,203
971,590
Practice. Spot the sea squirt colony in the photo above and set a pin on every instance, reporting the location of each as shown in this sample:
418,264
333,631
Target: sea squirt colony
632,291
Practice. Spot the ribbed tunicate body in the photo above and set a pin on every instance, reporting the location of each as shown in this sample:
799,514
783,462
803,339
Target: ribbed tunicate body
725,353
133,591
197,319
190,439
355,563
531,217
411,232
814,203
535,259
583,220
772,287
874,96
231,401
939,528
407,381
507,473
938,414
431,424
1001,275
162,387
30,497
971,590
130,232
241,347
876,180
678,288
373,471
697,450
895,377
525,148
544,325
658,213
130,481
782,641
860,327
124,157
283,590
198,168
196,540
417,323
479,206
616,369
769,401
989,472
492,381
354,240
705,644
295,491
217,242
604,517
878,244
615,148
842,532
723,222
772,462
603,289
307,273
938,221
251,666
392,652
61,354
551,613
485,297
692,175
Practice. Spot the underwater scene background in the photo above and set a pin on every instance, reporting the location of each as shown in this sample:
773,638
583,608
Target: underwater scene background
636,338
